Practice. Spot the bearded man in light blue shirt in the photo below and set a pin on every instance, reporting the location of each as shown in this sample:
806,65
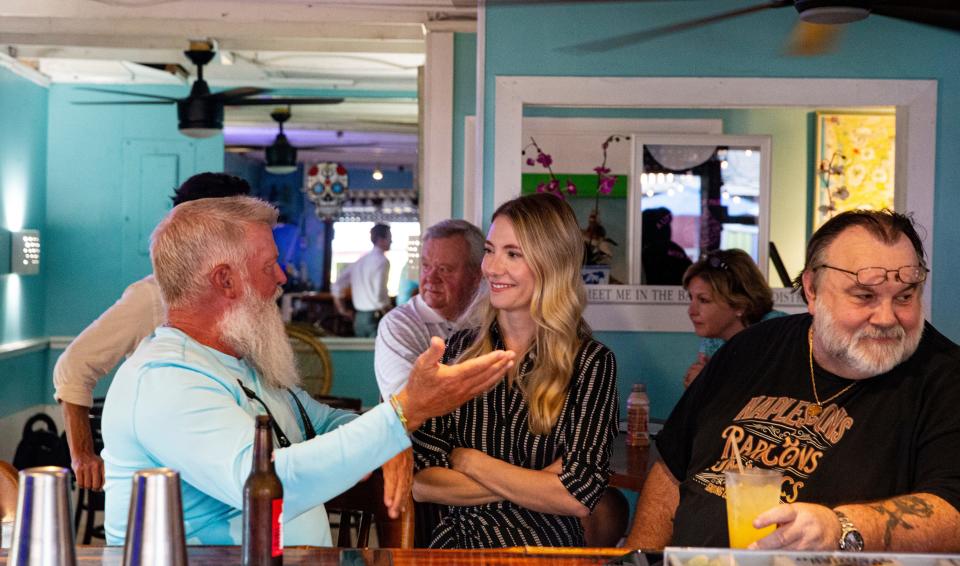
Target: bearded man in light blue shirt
187,398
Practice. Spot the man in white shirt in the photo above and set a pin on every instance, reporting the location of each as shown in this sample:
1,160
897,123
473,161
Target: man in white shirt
114,335
449,275
367,280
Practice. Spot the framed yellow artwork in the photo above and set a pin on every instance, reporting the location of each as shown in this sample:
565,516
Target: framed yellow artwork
854,163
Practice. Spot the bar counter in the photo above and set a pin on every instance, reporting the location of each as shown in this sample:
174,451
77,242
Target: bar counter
525,556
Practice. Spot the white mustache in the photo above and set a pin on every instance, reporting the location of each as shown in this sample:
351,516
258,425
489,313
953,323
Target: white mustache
895,332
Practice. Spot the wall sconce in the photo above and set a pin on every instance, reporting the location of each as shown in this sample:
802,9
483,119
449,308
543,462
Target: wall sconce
22,254
25,252
377,174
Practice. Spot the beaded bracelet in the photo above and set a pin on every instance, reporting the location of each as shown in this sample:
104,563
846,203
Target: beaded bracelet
398,408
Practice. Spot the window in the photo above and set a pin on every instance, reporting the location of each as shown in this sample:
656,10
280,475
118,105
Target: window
352,239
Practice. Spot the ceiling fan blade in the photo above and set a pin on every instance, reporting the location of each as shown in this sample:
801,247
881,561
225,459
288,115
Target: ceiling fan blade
808,39
282,101
124,93
653,33
239,93
123,102
935,14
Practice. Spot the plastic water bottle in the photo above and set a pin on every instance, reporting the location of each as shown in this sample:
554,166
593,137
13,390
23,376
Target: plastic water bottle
638,416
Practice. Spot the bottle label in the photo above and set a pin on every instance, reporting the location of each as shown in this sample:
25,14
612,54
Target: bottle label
276,530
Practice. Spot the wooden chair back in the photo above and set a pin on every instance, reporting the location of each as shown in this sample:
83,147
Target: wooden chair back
9,483
362,505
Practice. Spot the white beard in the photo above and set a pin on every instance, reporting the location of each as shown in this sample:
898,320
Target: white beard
255,331
865,357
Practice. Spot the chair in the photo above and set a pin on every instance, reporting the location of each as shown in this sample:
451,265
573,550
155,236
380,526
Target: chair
313,360
345,403
9,483
609,521
362,505
89,501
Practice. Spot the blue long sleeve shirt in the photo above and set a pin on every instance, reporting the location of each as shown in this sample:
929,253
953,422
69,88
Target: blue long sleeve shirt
176,403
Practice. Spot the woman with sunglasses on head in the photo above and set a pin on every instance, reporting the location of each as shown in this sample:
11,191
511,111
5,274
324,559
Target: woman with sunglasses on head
520,464
727,294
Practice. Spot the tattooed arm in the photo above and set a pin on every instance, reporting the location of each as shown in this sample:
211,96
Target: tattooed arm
913,522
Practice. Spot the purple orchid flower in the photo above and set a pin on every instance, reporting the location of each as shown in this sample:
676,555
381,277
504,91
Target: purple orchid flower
606,184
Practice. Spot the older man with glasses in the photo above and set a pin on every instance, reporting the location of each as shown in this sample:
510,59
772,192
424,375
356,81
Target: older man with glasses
854,403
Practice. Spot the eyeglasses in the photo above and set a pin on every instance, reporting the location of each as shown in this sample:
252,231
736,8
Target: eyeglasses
870,276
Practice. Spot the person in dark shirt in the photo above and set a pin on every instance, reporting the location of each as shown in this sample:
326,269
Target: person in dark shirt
522,463
854,403
663,260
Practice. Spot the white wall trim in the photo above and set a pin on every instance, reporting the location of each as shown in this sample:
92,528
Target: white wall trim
29,73
436,200
472,197
479,113
20,347
915,100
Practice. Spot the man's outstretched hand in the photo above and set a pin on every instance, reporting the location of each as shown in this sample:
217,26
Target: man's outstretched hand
435,389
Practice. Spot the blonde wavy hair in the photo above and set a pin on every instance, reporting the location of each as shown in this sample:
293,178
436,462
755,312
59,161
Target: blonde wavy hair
552,246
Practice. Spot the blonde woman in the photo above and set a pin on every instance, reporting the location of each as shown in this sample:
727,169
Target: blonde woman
520,464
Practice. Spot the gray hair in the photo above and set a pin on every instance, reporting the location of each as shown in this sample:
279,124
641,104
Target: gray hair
470,233
196,236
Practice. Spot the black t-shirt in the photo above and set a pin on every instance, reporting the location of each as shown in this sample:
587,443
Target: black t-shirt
888,435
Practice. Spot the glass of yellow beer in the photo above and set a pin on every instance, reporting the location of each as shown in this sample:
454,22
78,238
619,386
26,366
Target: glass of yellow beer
749,493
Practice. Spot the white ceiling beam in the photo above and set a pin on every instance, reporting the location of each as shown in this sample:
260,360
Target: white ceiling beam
314,11
173,34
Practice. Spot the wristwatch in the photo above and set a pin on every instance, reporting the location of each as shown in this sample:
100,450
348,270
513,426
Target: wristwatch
850,538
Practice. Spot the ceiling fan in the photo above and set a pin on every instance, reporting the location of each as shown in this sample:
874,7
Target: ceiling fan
200,114
281,155
820,23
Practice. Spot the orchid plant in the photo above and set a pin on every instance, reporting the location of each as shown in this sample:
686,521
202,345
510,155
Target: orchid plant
597,246
828,170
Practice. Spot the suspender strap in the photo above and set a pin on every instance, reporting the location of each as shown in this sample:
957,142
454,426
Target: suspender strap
308,430
282,440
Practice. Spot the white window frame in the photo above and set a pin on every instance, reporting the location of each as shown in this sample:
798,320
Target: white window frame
635,194
916,108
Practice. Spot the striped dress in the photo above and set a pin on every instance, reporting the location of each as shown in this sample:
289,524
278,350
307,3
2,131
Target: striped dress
496,423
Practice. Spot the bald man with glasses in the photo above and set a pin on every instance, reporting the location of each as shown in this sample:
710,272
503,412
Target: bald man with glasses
855,403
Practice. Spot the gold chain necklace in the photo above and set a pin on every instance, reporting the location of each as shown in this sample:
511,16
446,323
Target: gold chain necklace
815,410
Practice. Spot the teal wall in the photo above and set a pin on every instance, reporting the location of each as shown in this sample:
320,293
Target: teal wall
464,104
97,215
750,46
23,182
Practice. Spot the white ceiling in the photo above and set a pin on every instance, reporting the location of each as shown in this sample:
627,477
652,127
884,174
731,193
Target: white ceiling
359,45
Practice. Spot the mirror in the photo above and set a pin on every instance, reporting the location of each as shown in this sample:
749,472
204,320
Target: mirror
693,195
660,308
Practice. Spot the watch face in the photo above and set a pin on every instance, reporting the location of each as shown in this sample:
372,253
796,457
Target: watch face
852,541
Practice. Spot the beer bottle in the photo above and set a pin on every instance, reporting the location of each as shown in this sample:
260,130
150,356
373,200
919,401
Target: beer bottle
263,503
638,416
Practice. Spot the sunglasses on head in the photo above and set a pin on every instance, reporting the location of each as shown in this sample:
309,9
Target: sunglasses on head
717,262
